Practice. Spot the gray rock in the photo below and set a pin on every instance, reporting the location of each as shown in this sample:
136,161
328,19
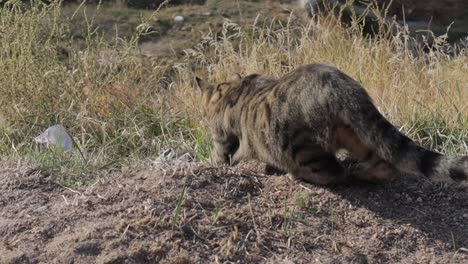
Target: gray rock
55,137
418,16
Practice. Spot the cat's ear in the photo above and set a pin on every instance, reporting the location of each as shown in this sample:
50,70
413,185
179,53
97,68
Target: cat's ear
236,78
201,85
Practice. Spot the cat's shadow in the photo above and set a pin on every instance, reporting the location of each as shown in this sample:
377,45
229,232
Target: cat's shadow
438,210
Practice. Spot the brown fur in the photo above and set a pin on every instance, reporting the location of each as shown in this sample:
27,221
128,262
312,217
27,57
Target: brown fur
299,122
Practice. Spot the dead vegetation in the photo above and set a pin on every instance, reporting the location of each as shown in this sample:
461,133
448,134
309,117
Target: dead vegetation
121,102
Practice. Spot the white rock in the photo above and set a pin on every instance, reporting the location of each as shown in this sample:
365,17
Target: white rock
57,137
179,20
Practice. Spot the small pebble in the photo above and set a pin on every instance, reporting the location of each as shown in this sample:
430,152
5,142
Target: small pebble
179,21
465,215
419,200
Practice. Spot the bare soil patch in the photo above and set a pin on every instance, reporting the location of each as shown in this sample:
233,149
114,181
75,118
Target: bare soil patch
235,214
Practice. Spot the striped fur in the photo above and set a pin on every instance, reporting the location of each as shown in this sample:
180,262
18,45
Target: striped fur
299,122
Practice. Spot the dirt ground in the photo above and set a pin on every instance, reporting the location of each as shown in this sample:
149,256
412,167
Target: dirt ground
185,212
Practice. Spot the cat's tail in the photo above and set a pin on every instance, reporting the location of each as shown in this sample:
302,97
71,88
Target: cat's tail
356,110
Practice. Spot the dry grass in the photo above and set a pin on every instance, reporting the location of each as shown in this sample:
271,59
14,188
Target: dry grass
110,98
116,105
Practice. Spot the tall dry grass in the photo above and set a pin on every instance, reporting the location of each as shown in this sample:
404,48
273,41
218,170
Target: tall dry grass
110,98
114,104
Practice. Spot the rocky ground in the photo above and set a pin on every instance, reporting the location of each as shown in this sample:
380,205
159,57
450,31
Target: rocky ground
182,212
